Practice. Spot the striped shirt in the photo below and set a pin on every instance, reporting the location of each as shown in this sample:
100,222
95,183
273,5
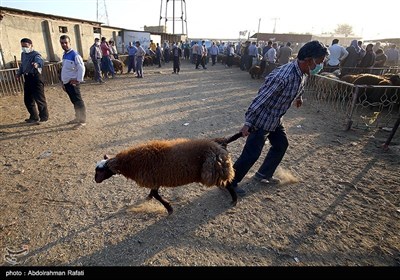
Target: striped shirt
275,97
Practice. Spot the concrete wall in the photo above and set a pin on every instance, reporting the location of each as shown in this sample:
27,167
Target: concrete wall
45,34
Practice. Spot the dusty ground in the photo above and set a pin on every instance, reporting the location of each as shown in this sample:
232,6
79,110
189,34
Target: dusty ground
339,204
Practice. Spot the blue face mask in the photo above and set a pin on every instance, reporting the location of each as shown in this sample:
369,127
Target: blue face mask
317,69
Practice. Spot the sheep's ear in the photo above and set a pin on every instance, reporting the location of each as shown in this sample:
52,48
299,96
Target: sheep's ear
106,157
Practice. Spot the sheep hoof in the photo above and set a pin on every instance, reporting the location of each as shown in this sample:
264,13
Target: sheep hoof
170,211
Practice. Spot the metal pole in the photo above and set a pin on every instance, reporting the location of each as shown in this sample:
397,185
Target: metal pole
352,108
166,19
173,17
395,127
159,23
187,32
183,31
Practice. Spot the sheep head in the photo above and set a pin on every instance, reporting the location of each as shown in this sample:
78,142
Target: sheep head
103,172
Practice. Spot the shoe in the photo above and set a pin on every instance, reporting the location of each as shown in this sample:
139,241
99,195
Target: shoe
43,120
239,191
204,68
74,121
268,181
32,121
82,124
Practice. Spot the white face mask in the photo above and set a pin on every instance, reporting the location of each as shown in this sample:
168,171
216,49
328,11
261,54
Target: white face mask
26,49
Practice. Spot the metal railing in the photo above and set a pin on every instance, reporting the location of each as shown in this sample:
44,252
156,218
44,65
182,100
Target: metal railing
354,105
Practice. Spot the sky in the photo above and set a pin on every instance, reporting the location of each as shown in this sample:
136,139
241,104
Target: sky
224,19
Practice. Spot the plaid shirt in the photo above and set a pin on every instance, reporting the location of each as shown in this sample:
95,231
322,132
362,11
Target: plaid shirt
275,97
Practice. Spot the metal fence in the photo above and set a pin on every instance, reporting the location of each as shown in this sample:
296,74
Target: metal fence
9,85
354,105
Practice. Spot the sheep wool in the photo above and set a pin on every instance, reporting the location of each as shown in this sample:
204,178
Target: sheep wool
171,163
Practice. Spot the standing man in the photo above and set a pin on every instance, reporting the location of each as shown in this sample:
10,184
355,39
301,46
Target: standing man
214,53
95,55
106,64
158,55
392,56
263,119
176,54
131,57
284,54
337,53
31,68
201,55
253,53
72,73
139,56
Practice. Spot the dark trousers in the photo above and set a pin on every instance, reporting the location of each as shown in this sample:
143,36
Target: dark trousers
176,64
97,70
229,61
107,66
158,59
200,60
213,58
139,66
34,96
252,150
74,94
131,63
250,61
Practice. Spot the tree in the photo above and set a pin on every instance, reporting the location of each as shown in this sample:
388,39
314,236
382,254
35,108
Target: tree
345,29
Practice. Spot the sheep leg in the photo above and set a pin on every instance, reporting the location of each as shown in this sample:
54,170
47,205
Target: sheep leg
233,194
167,205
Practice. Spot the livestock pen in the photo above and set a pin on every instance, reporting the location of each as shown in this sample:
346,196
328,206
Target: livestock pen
355,105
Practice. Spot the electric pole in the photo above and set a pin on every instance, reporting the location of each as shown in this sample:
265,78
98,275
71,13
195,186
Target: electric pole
102,15
275,19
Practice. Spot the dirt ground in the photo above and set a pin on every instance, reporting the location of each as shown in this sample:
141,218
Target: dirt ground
338,204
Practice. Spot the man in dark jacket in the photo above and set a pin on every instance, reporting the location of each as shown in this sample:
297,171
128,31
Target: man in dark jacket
31,68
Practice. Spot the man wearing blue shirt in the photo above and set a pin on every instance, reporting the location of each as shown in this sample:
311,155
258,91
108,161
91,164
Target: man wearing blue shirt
263,119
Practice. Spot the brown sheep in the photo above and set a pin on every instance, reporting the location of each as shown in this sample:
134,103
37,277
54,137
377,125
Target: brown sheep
377,96
118,65
257,70
349,78
172,163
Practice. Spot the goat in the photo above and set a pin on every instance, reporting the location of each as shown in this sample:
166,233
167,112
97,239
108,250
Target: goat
172,163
